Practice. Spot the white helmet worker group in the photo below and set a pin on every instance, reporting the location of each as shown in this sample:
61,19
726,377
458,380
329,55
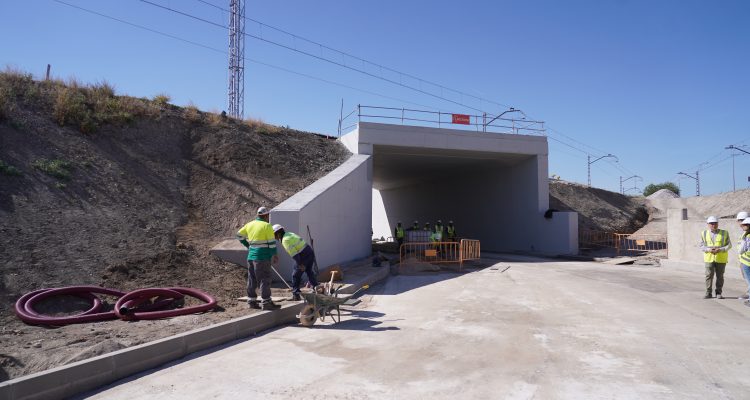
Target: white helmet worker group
741,216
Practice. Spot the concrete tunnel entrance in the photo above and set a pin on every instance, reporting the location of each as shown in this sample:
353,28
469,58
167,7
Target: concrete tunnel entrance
493,186
470,188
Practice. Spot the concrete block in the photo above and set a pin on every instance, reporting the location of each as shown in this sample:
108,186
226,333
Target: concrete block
146,356
64,381
210,336
231,250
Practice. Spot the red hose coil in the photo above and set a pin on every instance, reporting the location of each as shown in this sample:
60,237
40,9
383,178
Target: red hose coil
132,305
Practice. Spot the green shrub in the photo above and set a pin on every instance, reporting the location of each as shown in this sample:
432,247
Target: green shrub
655,187
7,169
162,99
59,169
70,107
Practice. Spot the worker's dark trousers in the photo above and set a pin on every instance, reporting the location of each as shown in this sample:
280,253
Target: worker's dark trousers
307,256
259,275
717,269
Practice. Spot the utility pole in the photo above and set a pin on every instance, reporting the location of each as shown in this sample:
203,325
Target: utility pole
733,147
622,181
591,162
697,181
236,92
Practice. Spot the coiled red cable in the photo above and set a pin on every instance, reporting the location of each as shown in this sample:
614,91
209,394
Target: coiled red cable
134,305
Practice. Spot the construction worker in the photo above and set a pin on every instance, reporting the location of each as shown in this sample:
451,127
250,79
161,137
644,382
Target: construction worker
415,226
744,254
741,216
438,236
714,244
451,231
257,236
398,234
303,256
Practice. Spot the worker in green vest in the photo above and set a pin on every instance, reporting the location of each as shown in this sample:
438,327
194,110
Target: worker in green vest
439,231
451,232
303,256
741,216
399,233
257,237
715,243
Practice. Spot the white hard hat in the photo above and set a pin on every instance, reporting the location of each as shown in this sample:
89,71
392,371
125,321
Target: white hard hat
277,228
742,215
262,211
746,221
712,219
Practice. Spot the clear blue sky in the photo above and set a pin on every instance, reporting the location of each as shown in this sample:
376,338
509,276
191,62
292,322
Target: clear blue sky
663,85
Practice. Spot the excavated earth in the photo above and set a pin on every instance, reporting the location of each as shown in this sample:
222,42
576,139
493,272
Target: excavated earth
143,204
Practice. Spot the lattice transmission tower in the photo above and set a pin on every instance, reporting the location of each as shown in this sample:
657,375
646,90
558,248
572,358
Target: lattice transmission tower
236,90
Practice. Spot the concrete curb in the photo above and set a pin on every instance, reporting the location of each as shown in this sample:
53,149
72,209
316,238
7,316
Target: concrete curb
86,375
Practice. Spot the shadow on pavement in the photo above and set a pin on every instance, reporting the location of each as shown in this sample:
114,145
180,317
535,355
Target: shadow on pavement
356,324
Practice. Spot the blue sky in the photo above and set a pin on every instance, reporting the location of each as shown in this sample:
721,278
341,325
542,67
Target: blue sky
663,85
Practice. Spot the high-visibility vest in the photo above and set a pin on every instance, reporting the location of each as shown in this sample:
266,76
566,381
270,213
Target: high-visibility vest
259,235
399,232
721,238
745,257
293,244
438,235
451,231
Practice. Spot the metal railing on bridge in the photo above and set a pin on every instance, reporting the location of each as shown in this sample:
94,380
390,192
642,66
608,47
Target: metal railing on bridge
406,116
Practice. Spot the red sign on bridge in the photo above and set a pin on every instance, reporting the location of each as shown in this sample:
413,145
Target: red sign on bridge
461,119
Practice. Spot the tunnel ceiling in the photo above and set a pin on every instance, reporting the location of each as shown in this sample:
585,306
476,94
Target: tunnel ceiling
395,166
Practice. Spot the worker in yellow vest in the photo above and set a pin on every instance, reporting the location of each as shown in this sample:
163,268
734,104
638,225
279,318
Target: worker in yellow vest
741,216
744,253
451,231
257,237
398,234
715,243
303,255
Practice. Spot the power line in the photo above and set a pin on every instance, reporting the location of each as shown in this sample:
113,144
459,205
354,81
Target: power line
316,57
326,60
246,58
362,60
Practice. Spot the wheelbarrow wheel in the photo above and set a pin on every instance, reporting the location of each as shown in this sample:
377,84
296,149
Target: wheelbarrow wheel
308,315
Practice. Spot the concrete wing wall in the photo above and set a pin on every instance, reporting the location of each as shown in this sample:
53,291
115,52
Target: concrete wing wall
337,208
684,236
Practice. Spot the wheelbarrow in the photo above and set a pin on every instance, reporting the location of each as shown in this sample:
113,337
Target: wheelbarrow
318,305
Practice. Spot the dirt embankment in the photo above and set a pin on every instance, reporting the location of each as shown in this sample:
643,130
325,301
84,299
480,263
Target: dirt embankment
598,209
136,201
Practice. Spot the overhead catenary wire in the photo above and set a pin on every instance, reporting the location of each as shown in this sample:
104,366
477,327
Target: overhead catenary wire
246,58
572,146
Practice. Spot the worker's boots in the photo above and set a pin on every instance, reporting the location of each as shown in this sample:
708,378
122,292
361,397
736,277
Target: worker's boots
269,305
254,304
296,297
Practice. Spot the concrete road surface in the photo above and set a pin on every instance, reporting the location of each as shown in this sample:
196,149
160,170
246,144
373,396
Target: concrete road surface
540,329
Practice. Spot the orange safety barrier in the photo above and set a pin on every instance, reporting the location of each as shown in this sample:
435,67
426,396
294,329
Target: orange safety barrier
639,244
596,239
440,252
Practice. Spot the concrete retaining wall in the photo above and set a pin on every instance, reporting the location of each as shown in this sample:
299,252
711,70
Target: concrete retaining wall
337,210
684,236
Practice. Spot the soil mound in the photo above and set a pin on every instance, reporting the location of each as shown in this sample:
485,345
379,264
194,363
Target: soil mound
127,193
663,194
598,209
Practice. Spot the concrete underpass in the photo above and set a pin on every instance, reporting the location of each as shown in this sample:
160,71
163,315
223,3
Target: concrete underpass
493,186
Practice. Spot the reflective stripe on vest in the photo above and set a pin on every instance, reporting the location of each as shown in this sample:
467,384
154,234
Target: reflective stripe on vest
744,257
720,240
292,243
399,232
